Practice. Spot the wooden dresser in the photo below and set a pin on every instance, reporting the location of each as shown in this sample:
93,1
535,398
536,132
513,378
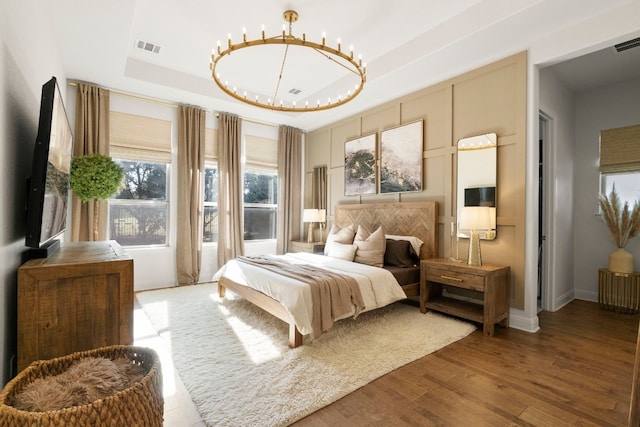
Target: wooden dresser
80,297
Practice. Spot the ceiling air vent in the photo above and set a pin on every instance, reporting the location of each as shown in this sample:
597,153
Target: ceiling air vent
149,47
295,91
629,44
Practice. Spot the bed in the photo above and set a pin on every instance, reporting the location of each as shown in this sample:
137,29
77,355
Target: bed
398,220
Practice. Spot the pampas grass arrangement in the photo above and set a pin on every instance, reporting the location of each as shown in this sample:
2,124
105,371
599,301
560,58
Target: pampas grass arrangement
623,223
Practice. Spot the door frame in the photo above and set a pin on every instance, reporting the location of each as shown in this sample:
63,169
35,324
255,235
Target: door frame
545,256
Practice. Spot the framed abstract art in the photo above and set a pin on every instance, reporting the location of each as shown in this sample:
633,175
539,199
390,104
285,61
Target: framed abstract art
360,166
401,158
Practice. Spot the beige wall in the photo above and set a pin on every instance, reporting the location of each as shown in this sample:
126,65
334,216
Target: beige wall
489,99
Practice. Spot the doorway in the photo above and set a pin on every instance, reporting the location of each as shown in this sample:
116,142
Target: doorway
545,292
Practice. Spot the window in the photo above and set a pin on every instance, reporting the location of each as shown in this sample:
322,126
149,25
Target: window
626,185
259,189
260,205
210,217
138,213
260,208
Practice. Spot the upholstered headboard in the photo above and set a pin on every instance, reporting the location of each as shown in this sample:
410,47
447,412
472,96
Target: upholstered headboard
419,219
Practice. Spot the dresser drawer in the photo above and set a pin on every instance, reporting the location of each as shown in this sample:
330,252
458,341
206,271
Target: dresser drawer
457,279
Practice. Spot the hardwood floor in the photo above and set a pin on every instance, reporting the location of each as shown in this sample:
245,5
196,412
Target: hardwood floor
576,370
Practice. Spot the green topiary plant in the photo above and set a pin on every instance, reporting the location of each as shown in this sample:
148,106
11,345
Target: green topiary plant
95,177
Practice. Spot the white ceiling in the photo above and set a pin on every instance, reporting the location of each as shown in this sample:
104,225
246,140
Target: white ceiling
407,44
602,67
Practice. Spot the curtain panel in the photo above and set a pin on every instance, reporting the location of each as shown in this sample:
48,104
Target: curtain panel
230,190
319,187
191,124
319,194
289,186
91,136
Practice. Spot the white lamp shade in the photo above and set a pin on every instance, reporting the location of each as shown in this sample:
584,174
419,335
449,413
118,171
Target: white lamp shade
475,218
323,215
311,215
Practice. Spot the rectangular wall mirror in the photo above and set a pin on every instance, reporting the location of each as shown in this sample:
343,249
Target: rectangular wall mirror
477,165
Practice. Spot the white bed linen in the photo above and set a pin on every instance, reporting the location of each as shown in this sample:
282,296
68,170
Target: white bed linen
377,285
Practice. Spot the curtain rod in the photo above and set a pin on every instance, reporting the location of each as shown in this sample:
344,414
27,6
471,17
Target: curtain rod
244,119
74,83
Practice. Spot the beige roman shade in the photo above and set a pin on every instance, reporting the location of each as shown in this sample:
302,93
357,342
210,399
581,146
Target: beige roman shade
261,153
140,138
210,145
620,149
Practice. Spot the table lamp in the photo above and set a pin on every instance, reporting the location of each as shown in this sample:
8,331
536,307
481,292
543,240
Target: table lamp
311,216
475,218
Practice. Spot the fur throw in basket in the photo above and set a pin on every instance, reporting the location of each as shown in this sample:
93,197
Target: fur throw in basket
92,376
86,381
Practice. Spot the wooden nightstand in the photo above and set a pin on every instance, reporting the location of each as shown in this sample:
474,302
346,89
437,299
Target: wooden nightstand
492,281
300,246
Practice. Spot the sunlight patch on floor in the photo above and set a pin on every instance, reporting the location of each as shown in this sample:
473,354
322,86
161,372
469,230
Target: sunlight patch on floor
144,335
259,347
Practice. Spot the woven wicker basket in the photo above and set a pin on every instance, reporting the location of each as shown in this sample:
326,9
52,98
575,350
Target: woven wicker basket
139,405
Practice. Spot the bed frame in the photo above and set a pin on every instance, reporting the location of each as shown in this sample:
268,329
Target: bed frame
419,219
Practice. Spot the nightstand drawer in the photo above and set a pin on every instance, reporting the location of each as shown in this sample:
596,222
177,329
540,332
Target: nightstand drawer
457,279
313,247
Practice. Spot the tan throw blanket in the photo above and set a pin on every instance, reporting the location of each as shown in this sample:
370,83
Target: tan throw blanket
333,295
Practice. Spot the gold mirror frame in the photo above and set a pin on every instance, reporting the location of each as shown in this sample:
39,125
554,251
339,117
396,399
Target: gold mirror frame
477,175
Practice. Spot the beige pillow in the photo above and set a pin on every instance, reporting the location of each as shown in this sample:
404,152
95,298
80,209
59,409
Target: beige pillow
342,251
370,247
341,235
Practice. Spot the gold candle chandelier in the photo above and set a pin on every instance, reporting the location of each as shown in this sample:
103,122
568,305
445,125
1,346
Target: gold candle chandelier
334,55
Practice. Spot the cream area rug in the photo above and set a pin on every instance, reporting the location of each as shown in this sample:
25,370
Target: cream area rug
234,360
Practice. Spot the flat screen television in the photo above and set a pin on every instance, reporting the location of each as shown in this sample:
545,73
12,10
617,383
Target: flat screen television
480,196
48,185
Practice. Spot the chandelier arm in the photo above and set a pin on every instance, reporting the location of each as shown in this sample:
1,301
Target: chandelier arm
284,59
337,62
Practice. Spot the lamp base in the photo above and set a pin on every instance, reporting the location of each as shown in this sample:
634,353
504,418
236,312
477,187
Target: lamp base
454,243
310,235
474,257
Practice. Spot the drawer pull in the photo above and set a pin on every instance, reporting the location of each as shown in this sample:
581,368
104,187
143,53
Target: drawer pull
455,279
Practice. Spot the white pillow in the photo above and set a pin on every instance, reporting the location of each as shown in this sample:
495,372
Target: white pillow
342,251
416,243
340,235
370,247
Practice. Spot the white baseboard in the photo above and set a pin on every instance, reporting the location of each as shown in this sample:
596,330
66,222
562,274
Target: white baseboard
518,320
